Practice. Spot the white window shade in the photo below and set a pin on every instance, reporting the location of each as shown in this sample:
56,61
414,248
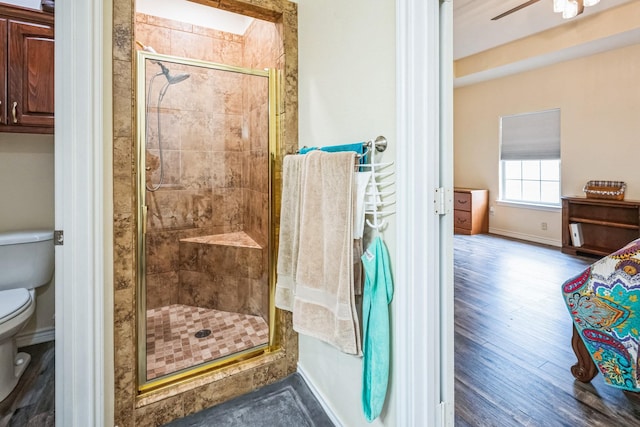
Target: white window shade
530,136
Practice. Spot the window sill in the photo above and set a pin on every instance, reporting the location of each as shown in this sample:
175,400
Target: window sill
529,205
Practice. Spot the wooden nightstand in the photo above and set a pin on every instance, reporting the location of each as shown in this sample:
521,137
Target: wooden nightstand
470,211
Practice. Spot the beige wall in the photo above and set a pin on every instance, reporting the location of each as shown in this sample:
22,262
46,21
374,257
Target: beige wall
26,191
26,181
599,99
347,94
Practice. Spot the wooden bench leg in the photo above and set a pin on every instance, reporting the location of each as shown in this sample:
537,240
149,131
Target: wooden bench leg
585,369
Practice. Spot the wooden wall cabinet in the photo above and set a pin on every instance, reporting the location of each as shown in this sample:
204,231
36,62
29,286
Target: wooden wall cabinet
26,70
470,211
606,225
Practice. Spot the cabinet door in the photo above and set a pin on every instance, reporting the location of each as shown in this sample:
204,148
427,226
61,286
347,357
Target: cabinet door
30,74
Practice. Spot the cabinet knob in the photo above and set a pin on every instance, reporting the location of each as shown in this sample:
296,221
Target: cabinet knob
13,111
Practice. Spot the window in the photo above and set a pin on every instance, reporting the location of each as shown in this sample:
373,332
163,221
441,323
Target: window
530,158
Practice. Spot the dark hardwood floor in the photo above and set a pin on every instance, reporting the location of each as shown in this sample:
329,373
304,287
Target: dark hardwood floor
512,347
513,341
32,402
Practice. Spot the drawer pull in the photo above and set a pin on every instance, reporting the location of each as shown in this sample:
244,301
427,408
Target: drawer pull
462,202
461,220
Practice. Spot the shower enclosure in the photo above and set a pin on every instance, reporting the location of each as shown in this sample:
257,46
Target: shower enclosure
207,138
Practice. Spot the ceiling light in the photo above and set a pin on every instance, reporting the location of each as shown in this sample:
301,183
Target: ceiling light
572,8
559,5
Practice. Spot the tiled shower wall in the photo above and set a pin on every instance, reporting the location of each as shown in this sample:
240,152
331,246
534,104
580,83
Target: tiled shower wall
261,50
215,162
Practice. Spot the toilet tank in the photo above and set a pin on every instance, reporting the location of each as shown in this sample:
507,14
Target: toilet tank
26,259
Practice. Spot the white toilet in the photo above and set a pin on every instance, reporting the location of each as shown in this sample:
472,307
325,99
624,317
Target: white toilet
26,262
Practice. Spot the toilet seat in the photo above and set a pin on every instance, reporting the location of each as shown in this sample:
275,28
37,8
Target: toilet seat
13,302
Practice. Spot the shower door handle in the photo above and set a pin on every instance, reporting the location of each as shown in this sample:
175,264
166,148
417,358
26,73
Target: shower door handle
145,208
13,111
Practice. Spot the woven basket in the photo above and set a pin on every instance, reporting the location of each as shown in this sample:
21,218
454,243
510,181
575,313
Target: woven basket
610,190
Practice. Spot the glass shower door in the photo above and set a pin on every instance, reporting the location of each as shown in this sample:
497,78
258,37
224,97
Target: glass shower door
205,215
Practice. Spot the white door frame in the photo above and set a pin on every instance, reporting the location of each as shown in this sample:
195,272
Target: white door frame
79,207
447,368
423,331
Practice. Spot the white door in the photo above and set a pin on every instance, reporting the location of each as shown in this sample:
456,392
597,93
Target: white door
79,208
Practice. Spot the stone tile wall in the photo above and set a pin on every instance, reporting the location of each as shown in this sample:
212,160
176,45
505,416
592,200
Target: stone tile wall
225,272
214,135
203,145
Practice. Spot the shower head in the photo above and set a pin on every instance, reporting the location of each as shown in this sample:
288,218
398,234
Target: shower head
177,78
172,79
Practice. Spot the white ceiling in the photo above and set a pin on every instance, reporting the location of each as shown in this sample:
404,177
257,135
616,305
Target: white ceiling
474,31
195,13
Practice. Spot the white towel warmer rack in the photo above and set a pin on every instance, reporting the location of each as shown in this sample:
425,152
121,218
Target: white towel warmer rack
377,203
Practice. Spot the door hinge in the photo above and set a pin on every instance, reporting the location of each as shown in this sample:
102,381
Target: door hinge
58,237
443,201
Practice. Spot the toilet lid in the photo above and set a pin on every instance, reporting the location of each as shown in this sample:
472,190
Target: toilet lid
12,301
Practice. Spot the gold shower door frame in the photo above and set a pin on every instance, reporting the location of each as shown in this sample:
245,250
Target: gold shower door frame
144,385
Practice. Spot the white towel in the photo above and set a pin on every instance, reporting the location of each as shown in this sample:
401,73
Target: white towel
362,182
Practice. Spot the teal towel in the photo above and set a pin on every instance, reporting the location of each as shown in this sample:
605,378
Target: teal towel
358,147
376,348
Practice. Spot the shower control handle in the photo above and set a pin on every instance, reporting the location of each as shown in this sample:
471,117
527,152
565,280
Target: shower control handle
13,111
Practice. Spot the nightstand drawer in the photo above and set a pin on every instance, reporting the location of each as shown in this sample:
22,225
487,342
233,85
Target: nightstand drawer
462,201
462,219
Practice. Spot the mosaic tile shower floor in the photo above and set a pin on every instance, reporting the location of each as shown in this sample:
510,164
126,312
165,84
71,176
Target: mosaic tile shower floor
172,344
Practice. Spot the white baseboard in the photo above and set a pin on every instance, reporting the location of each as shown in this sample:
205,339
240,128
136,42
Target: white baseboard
323,402
527,237
37,337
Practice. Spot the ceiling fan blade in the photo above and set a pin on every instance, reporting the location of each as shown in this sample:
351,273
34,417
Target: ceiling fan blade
515,9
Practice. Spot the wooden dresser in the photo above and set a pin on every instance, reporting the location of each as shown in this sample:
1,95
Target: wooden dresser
470,211
606,225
